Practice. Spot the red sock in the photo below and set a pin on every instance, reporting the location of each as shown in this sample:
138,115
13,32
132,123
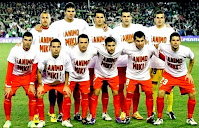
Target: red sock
94,102
116,103
66,108
149,103
52,100
60,101
7,107
84,104
32,106
191,106
136,99
122,98
160,106
77,100
105,99
40,107
90,98
128,102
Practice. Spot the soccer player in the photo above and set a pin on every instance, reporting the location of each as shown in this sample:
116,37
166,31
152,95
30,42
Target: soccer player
21,71
53,73
137,72
67,30
42,42
160,34
176,73
124,33
80,56
106,70
98,34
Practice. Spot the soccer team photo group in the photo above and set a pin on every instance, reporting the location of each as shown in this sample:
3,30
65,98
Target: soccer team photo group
76,73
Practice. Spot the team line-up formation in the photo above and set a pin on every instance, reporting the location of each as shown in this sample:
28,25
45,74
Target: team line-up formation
68,58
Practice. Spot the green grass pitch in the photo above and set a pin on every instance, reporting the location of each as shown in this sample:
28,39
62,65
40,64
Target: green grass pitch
19,114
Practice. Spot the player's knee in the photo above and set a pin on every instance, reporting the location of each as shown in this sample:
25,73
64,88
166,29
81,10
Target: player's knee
192,95
96,92
115,92
149,94
161,93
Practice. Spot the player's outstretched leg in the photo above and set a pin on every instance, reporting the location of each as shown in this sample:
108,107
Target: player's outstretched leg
169,112
77,100
128,102
7,110
149,105
160,107
136,99
84,104
66,112
191,106
60,103
52,100
105,99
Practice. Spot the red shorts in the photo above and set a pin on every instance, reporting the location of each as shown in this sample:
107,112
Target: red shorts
122,75
112,82
18,81
131,84
58,87
168,82
84,86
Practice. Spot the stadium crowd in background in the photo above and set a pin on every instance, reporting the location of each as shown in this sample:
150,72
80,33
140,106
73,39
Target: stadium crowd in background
16,18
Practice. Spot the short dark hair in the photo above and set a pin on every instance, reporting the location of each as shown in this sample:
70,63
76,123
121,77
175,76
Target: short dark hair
69,5
174,34
159,12
109,39
139,34
99,11
82,36
55,40
125,10
28,34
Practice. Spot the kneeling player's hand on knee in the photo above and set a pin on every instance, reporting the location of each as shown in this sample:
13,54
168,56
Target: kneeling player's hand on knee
189,77
40,90
32,89
7,91
67,91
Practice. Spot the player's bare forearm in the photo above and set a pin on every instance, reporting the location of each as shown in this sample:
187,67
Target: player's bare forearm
39,77
191,63
66,79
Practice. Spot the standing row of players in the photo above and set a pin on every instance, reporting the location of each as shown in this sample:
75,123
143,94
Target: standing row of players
67,31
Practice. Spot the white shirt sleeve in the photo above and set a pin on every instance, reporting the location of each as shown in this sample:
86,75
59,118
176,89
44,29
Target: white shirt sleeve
190,54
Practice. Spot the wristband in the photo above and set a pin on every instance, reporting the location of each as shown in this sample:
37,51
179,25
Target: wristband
8,86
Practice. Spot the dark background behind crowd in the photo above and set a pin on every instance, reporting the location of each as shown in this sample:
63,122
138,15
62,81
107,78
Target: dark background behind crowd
18,17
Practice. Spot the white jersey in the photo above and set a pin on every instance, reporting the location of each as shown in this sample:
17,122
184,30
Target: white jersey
22,60
97,38
42,39
80,61
106,66
53,69
68,32
122,35
175,62
159,36
139,61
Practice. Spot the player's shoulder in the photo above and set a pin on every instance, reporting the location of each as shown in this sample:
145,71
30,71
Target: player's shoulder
164,45
184,48
57,23
81,21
